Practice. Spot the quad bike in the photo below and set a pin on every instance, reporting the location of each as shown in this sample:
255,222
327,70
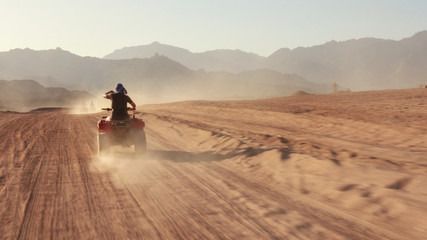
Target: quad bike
127,133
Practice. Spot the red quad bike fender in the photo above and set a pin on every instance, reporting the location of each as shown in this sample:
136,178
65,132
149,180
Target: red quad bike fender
137,124
106,127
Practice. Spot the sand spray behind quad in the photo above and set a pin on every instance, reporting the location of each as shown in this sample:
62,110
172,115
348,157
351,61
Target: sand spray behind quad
123,165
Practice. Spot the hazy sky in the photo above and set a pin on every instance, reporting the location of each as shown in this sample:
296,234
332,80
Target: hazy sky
97,27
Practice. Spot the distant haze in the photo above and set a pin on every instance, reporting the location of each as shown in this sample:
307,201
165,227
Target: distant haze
150,80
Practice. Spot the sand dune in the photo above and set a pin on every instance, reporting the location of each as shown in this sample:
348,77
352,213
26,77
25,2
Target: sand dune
337,166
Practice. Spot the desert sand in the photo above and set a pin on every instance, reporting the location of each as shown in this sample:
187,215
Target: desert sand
335,166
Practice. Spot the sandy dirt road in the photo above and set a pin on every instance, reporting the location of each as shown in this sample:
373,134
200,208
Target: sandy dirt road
344,166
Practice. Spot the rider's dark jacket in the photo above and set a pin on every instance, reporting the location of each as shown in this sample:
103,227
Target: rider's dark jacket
119,102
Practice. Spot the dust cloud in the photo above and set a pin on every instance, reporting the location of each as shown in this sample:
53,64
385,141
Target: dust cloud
86,107
203,85
123,165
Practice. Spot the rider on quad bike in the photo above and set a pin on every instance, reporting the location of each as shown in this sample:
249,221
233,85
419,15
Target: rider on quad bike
120,128
119,101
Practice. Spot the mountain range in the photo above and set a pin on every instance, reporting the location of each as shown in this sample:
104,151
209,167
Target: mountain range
159,72
234,61
153,79
27,94
362,64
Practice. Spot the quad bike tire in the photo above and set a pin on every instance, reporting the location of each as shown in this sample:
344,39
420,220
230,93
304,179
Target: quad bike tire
140,142
103,144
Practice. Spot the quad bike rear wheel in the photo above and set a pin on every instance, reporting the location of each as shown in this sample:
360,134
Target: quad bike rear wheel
103,144
140,142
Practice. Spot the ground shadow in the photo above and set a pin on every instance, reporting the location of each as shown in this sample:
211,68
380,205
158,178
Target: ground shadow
182,156
210,156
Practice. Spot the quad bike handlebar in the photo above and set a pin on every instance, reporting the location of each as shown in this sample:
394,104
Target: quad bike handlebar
110,109
128,109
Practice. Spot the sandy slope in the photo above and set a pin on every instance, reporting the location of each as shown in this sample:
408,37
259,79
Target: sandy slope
343,166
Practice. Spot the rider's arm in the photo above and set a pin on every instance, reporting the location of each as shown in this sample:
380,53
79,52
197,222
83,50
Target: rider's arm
133,105
129,100
107,94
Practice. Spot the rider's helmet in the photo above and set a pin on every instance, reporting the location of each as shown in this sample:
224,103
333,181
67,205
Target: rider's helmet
120,88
